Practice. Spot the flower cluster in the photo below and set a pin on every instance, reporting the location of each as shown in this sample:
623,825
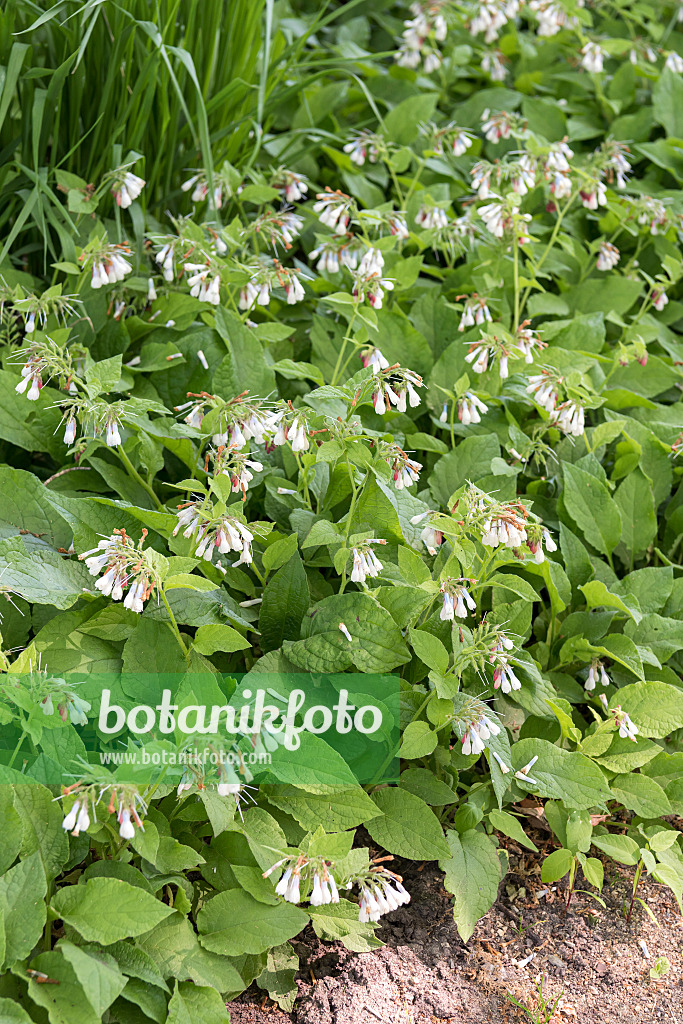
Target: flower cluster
456,598
313,872
503,673
223,534
470,409
125,565
365,561
127,188
108,264
421,34
507,527
395,385
124,801
627,729
476,732
595,672
405,471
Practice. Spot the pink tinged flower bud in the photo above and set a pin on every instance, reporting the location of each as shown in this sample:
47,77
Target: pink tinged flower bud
34,391
344,630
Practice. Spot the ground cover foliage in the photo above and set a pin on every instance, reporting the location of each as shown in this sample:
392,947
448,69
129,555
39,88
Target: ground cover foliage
332,341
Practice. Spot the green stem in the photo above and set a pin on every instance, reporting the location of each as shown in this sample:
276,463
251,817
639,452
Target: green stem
17,748
132,472
174,624
303,474
515,269
551,242
413,184
352,508
347,338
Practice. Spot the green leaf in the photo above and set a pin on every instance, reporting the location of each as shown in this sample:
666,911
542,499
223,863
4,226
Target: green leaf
22,908
260,925
41,575
11,829
41,819
510,826
98,973
473,873
209,639
636,504
470,461
598,596
621,848
129,910
401,123
406,826
175,949
561,774
192,1005
667,103
12,1013
642,795
430,650
66,1002
285,601
655,707
376,645
556,865
589,503
338,922
419,740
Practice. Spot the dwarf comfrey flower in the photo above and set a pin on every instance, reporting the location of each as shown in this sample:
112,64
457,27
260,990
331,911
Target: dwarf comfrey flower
429,217
126,564
543,389
365,562
127,188
495,217
659,300
456,599
496,126
596,672
333,209
674,62
204,282
537,537
493,64
469,409
608,257
627,729
293,185
569,417
476,312
364,147
461,142
373,357
505,527
594,195
592,58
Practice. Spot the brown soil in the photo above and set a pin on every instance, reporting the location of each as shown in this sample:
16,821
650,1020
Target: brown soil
425,974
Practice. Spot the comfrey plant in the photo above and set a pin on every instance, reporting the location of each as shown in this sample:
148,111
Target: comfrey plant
395,395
